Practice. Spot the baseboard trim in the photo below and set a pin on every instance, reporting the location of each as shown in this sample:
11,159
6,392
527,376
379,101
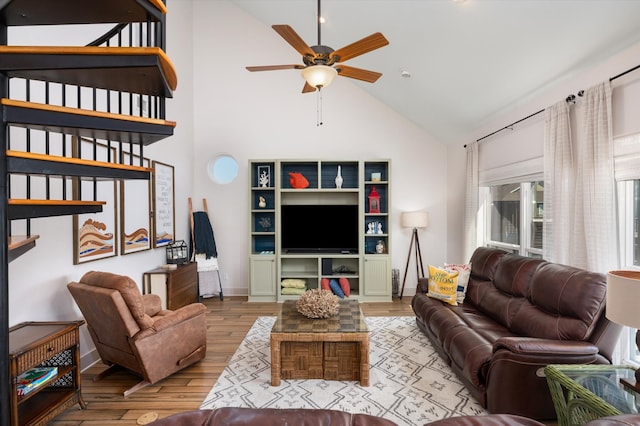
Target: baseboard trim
89,359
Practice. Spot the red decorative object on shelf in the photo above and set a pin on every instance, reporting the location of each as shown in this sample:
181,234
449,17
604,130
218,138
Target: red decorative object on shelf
374,201
297,180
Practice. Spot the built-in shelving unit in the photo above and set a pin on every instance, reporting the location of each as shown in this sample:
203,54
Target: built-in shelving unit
367,267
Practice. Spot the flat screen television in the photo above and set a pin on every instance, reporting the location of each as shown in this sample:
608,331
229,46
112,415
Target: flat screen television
319,228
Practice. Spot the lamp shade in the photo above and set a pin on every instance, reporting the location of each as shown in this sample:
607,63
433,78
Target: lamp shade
319,75
623,297
414,219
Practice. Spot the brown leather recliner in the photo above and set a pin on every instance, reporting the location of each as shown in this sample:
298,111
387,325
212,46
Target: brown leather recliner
132,330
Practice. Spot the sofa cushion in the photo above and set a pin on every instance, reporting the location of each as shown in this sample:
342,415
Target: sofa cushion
484,262
487,420
271,416
563,303
502,300
470,354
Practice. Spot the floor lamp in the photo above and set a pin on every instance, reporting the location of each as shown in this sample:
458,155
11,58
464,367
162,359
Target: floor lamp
623,291
413,220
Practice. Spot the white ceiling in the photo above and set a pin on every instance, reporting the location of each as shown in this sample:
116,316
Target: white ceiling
469,61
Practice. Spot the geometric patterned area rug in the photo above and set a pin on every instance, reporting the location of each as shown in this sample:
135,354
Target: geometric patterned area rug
409,382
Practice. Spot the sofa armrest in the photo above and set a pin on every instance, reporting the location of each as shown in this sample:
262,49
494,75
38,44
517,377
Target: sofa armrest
152,304
423,285
516,363
545,347
179,315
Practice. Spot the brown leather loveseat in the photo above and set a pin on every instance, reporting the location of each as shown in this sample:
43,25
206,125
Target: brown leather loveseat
519,315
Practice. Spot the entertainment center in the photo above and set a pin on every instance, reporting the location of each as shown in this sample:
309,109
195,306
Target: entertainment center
319,219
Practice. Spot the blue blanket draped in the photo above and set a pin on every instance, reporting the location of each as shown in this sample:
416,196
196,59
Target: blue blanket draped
203,237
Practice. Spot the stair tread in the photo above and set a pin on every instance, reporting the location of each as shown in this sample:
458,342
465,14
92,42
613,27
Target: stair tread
34,208
88,123
79,111
143,70
17,241
38,12
38,202
72,160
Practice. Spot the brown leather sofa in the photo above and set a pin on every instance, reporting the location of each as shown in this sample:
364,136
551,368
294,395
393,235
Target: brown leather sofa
230,416
519,315
132,330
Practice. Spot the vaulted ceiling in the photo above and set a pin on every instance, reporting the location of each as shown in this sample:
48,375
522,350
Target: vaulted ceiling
469,61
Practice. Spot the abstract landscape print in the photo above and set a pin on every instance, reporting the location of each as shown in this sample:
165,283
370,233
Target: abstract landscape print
135,204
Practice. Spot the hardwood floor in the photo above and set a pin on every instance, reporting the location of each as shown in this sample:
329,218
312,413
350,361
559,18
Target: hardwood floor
228,321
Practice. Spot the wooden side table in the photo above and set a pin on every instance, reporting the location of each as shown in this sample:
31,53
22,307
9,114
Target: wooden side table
176,287
45,344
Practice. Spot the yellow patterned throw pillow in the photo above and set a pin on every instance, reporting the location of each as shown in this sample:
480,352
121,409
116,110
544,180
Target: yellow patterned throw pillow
443,285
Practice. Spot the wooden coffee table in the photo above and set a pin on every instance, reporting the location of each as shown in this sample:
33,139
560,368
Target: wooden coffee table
335,348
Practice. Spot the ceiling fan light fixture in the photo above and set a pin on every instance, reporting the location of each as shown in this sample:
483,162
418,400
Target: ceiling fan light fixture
319,76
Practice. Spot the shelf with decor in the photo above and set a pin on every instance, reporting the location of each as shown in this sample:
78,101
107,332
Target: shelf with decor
376,240
297,275
343,269
263,203
376,203
321,214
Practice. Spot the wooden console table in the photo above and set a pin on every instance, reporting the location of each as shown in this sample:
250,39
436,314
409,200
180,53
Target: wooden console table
45,344
176,287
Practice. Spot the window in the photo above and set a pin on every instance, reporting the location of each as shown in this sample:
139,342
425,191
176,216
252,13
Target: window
629,207
514,217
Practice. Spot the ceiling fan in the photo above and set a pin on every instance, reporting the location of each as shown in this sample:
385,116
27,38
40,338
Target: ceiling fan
322,63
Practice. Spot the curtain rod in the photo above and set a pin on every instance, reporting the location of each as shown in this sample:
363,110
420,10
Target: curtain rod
570,98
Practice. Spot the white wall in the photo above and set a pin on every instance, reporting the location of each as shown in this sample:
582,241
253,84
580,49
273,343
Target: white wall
263,116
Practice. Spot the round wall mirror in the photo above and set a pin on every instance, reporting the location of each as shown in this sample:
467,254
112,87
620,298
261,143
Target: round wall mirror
223,169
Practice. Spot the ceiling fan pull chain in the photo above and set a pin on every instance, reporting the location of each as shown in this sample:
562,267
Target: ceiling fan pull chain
319,108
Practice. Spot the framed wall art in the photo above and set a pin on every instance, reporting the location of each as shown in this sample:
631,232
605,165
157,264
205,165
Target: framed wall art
94,234
135,209
264,176
164,226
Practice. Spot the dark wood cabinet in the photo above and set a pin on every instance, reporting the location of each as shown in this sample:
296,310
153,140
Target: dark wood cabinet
45,344
176,287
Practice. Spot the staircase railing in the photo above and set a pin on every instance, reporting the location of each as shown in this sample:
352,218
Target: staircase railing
139,34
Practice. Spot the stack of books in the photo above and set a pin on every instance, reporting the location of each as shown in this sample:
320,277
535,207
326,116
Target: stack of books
33,378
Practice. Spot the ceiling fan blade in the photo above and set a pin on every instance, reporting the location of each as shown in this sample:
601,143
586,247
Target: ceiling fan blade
275,67
308,88
292,37
360,47
358,73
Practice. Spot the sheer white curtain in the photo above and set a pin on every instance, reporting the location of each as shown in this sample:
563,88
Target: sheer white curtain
559,184
472,203
580,227
595,241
